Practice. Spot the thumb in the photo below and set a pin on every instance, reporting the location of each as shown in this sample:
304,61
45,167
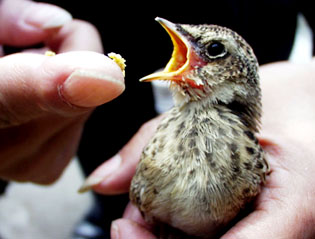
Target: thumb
281,210
68,84
267,223
23,22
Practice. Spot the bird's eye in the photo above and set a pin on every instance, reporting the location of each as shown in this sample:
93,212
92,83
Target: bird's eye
216,49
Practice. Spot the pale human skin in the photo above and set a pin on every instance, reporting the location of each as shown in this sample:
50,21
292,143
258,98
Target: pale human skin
45,100
284,209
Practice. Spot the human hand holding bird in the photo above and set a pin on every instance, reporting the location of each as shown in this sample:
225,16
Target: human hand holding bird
277,212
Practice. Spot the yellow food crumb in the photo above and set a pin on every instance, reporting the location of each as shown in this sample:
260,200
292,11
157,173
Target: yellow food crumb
50,53
120,61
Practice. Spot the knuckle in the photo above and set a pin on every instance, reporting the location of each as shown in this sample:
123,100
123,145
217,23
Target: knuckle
7,116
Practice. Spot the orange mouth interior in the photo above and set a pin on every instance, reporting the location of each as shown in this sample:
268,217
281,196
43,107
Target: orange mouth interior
179,62
179,55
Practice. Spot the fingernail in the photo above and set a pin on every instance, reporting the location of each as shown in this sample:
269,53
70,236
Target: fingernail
114,230
45,16
101,174
89,183
89,89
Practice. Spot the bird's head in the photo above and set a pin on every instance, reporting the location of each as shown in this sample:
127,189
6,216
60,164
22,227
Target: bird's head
209,61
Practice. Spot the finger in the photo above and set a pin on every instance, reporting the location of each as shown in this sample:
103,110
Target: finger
276,214
67,84
76,35
23,22
125,228
275,222
114,176
248,228
40,153
132,213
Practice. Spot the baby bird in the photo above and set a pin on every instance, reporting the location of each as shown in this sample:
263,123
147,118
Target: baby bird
204,162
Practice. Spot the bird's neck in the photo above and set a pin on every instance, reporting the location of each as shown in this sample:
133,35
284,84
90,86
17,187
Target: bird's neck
249,114
184,94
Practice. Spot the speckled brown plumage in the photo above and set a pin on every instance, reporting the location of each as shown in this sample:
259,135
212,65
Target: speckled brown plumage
204,162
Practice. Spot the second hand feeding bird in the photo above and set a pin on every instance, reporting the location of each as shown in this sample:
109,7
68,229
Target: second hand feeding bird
204,162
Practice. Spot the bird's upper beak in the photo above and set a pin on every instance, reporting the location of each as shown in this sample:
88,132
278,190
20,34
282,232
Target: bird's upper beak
183,57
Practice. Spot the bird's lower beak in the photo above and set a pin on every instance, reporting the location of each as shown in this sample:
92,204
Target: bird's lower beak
179,63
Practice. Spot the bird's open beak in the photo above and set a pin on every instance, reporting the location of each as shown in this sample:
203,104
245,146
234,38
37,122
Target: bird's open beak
180,62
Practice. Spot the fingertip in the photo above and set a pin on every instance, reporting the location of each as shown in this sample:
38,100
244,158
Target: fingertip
83,78
116,175
86,88
26,22
132,213
125,228
45,16
100,180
